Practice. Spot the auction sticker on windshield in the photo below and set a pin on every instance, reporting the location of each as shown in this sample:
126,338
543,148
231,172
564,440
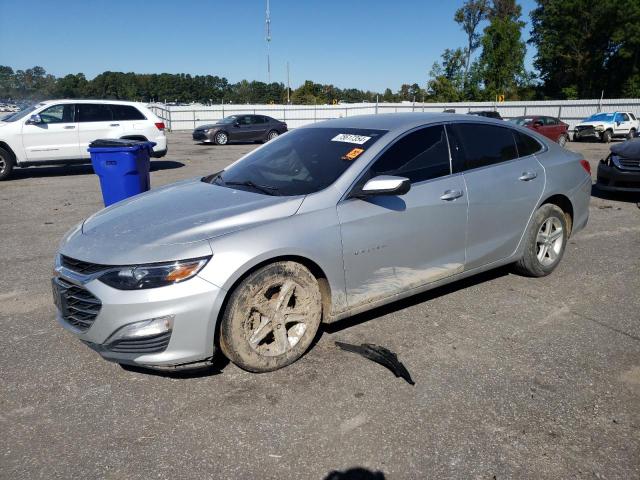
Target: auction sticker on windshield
349,138
352,154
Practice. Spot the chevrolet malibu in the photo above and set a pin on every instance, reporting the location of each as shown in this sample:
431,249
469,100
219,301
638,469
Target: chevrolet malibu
321,223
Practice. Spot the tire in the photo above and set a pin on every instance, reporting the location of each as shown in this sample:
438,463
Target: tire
6,164
546,239
221,138
271,318
631,134
562,140
272,134
606,136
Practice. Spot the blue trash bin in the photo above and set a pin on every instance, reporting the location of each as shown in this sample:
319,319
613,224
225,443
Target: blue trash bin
123,167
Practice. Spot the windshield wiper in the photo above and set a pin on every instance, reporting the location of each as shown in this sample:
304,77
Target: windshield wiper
248,183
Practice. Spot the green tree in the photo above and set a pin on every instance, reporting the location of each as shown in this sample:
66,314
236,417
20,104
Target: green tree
447,79
469,17
503,51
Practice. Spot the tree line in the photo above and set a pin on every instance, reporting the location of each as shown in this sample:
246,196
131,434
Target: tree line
583,48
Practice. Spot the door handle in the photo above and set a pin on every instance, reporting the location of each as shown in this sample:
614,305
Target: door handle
451,195
114,125
526,176
69,127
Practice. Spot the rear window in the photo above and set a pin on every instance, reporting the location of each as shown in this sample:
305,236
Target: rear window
477,145
303,161
126,112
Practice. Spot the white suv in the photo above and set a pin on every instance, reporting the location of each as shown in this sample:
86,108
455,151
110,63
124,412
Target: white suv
58,132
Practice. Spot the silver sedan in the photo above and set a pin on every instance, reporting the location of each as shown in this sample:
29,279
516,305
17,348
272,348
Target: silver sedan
324,222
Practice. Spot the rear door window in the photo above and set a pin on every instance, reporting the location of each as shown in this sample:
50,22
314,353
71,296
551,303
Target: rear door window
420,155
475,145
94,112
526,144
126,112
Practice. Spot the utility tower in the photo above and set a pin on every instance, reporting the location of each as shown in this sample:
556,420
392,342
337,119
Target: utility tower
268,38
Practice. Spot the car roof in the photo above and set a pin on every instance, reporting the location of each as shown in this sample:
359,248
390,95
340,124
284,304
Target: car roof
78,100
401,121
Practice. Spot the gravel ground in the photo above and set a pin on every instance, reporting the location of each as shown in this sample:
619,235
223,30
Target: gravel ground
515,377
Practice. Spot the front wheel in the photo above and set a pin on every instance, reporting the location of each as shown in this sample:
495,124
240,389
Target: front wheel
271,317
272,134
221,138
606,136
545,240
631,134
6,164
562,141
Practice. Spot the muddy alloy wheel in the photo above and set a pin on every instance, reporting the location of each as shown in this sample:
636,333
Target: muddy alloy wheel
221,138
6,164
562,141
271,317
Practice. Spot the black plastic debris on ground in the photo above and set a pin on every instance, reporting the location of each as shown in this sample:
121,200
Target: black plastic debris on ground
379,355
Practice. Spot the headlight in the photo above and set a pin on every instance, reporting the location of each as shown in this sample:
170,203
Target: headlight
139,277
599,127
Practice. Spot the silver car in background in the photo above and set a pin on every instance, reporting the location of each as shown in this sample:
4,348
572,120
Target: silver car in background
323,222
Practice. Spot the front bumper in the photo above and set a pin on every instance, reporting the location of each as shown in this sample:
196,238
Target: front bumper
193,305
586,132
200,136
610,178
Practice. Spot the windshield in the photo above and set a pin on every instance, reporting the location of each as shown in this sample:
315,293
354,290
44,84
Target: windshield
12,117
225,120
300,162
522,121
601,117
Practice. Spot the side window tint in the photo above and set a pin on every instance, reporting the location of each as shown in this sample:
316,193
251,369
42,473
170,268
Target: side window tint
126,112
94,112
526,144
58,114
633,117
420,155
478,145
625,117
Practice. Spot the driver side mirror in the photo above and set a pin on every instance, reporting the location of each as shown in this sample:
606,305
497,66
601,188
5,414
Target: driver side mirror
34,120
385,185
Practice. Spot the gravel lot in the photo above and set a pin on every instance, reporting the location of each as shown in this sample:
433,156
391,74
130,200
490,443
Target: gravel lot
515,377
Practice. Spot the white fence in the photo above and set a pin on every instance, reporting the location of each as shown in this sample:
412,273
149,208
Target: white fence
569,111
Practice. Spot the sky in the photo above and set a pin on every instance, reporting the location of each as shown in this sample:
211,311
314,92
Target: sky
366,44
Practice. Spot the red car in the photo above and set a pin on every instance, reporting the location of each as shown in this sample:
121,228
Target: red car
550,127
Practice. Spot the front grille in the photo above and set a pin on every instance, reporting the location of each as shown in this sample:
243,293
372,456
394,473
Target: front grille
79,266
154,344
77,305
630,163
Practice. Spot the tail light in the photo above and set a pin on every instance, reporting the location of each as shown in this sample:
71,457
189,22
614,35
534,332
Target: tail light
160,125
586,166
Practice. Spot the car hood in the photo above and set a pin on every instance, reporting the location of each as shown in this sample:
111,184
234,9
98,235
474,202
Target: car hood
598,123
209,126
166,222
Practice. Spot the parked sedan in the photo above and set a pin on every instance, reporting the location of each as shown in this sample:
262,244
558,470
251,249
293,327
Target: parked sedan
240,128
620,171
327,221
551,127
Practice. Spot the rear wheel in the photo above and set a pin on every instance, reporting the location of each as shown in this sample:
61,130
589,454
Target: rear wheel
221,138
545,240
562,141
271,317
6,164
606,136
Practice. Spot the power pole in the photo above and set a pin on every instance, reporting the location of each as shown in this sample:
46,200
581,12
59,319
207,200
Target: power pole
268,38
288,87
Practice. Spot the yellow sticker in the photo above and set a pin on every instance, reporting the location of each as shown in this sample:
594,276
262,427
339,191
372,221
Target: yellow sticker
353,154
